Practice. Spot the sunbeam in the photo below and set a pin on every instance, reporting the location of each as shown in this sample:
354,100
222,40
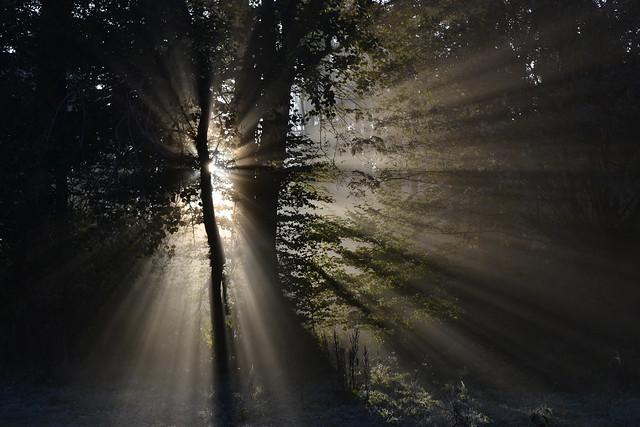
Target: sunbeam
151,340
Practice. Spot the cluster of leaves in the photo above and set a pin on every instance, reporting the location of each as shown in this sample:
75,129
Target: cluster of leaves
400,397
365,268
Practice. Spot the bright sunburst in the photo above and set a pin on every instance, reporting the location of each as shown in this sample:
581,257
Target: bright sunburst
222,187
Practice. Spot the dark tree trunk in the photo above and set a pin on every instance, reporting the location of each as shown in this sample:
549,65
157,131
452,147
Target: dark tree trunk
262,175
216,255
263,93
206,187
263,85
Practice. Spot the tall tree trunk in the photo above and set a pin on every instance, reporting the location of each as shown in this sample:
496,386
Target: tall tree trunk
269,179
263,93
206,190
262,102
206,187
298,359
216,255
262,173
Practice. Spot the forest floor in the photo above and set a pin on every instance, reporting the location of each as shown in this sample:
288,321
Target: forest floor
155,404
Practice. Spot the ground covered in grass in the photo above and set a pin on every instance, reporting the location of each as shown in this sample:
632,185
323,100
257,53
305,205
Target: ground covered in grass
147,402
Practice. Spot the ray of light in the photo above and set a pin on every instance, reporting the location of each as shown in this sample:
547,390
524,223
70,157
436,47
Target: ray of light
153,344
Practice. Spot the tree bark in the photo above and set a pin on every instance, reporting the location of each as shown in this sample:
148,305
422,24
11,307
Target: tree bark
206,187
216,254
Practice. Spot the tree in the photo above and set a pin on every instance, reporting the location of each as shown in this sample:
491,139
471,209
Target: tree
286,48
79,169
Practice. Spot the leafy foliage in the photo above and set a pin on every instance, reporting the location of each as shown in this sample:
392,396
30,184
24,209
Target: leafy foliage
542,113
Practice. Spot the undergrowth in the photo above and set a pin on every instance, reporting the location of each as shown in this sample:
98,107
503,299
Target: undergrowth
396,396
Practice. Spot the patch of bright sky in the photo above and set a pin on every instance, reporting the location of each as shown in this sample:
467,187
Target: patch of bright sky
221,189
